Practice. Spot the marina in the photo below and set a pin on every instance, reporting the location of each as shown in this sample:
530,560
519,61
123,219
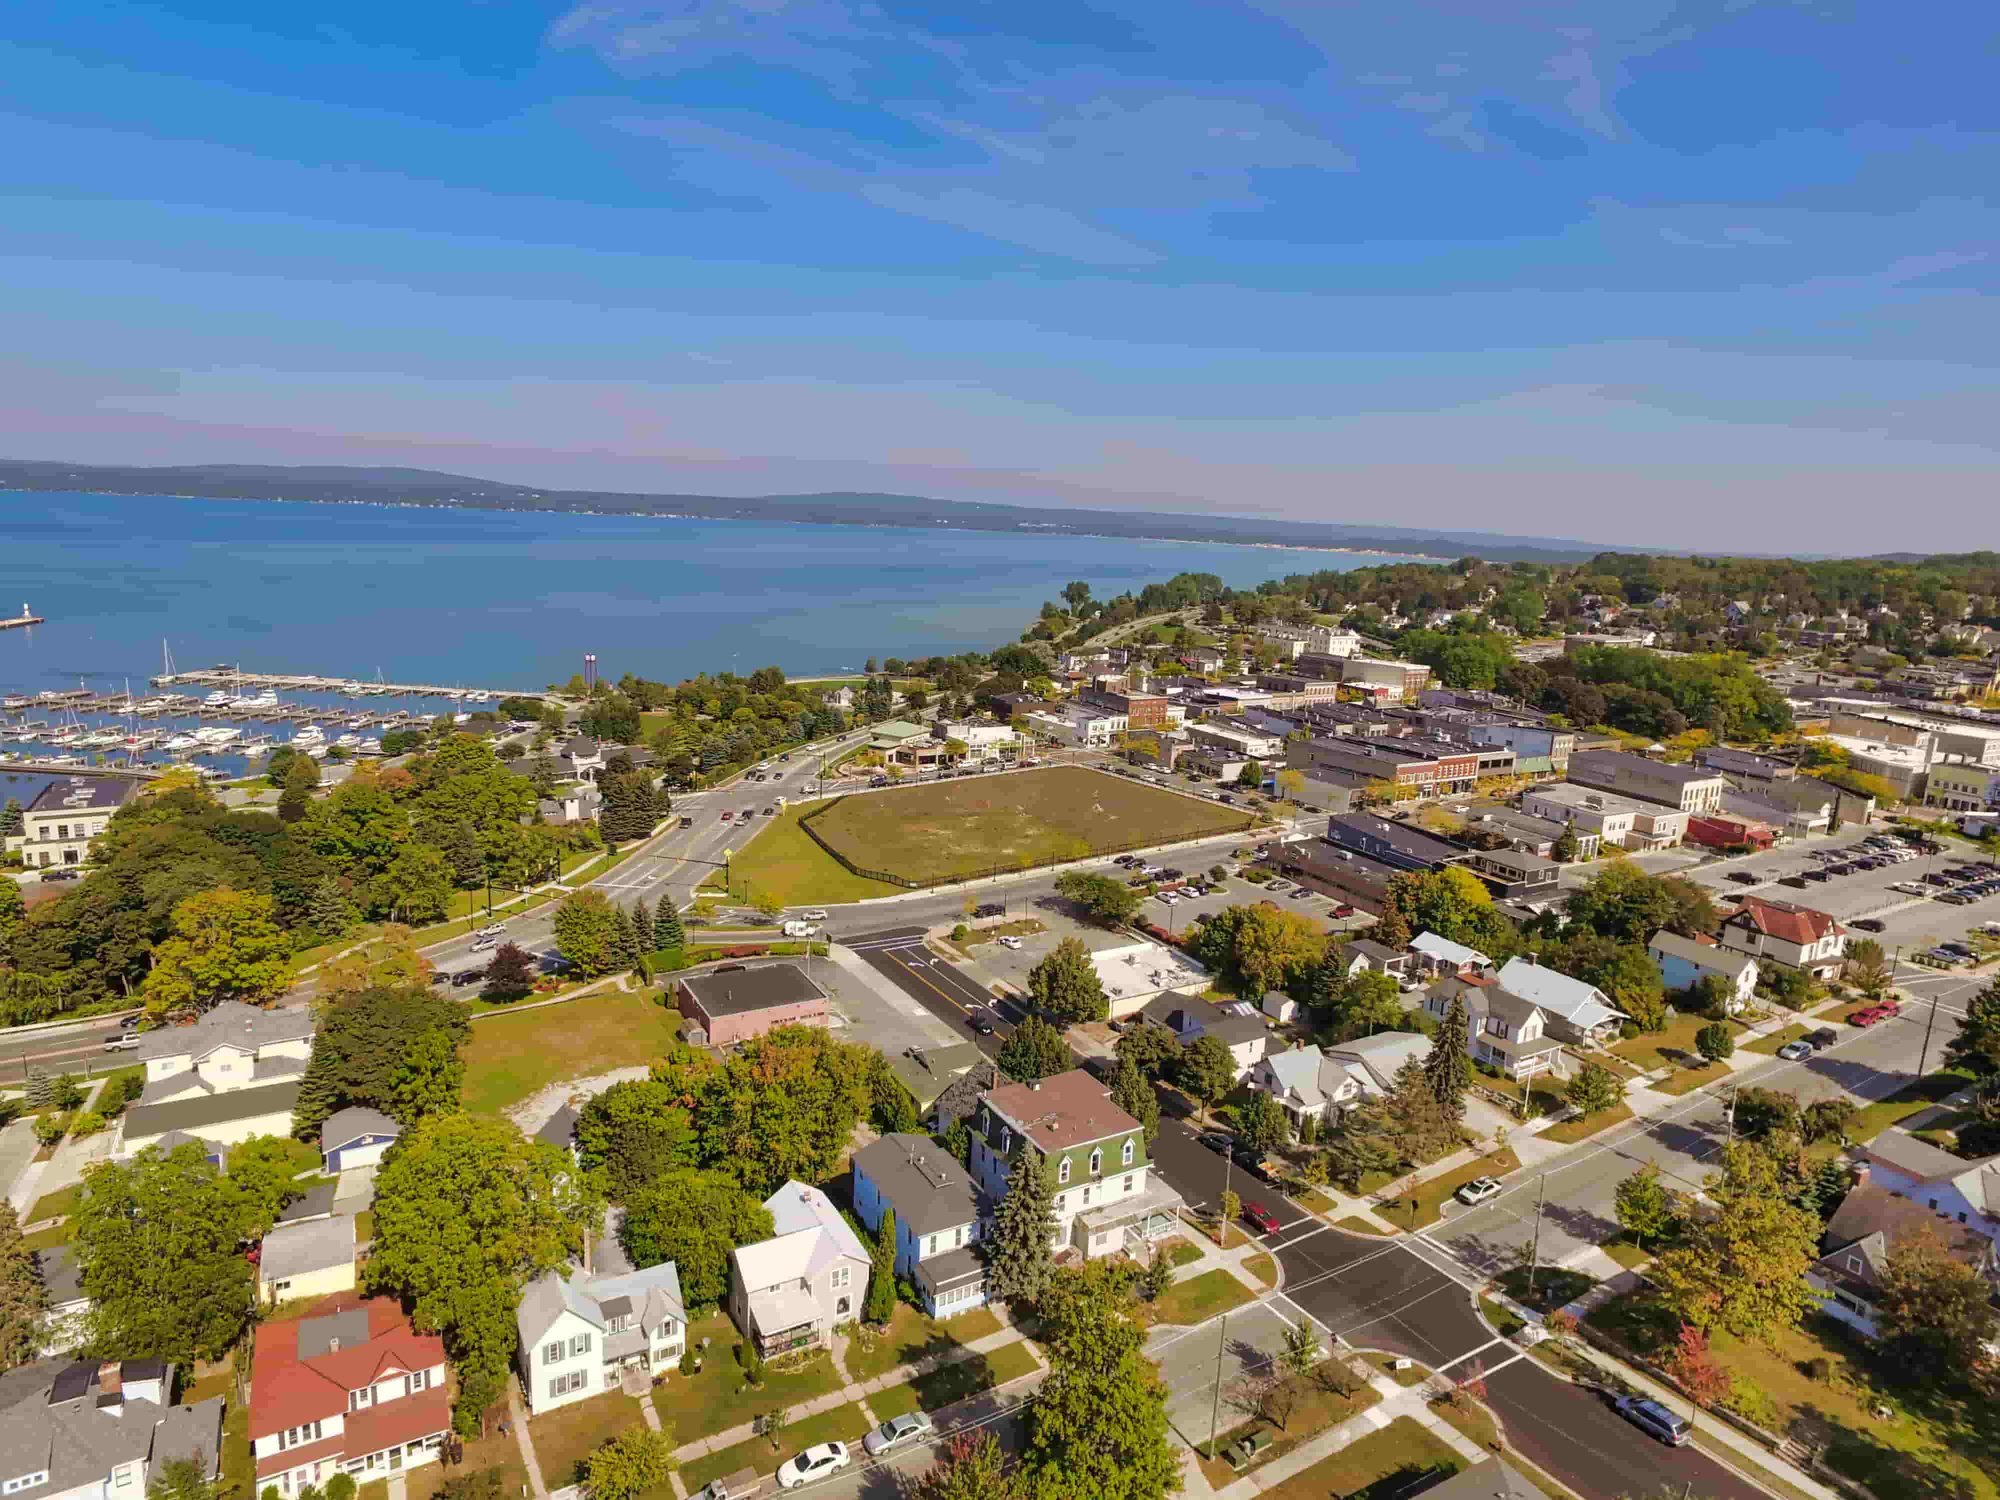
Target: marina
25,617
270,683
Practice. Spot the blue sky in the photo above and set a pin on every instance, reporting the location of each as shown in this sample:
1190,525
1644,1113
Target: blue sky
1709,274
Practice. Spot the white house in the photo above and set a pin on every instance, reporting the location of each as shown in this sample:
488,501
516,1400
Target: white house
792,1290
1311,1083
1432,954
1376,1060
1952,1189
1867,1226
1683,962
232,1075
356,1137
1577,1012
91,1431
307,1258
1507,1031
65,817
1779,932
1238,1026
579,1332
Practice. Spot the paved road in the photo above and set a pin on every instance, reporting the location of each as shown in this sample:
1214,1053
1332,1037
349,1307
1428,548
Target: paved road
900,956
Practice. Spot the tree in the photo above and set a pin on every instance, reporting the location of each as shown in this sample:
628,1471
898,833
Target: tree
1567,848
625,941
1694,1367
1594,1089
1252,775
974,1467
1628,905
261,1182
1365,1003
1715,1042
634,1132
642,927
1098,1424
510,976
1302,1349
1108,901
1132,1093
1976,1048
24,1301
416,887
428,1078
226,945
1742,1259
1762,1112
1448,1067
634,1462
159,1253
391,960
1263,1123
882,1271
1257,948
365,1045
668,934
12,816
1065,985
1206,1070
1035,1050
185,1479
466,1210
1868,967
301,778
1018,1250
586,930
1149,1048
1452,902
1933,1311
693,1219
783,1106
331,914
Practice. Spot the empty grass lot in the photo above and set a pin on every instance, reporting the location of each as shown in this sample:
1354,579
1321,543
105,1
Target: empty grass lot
511,1055
570,1434
781,862
955,1382
1383,1464
912,1336
954,829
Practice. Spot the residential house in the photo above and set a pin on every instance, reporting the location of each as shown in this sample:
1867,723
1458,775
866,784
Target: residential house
356,1137
1685,961
91,1431
1095,1155
1515,874
1238,1026
306,1258
350,1388
792,1290
1691,789
62,1325
733,1005
1779,932
1868,1225
58,826
1493,1479
960,1098
938,1214
1374,1061
841,697
1505,1030
1577,1012
1364,954
1431,955
1954,1190
579,1333
232,1075
1308,1084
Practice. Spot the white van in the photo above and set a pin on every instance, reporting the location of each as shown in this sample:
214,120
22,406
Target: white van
798,929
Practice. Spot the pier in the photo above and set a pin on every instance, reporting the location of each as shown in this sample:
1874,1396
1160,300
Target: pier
25,617
229,677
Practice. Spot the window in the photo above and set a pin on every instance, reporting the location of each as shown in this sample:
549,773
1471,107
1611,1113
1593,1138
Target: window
842,1276
552,1353
291,1437
1129,1179
1097,1162
1062,1173
619,1324
580,1344
1131,1148
358,1399
276,1286
562,1385
930,1245
420,1381
1006,1141
843,1307
25,1482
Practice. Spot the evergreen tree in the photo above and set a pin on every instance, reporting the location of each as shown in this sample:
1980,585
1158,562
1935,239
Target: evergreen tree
1018,1251
330,912
1448,1069
463,854
301,777
882,1272
23,1298
667,929
12,816
642,927
1976,1048
625,940
1132,1093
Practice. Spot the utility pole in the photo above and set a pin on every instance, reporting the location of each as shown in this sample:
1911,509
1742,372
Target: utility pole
1215,1406
1535,1253
1923,1059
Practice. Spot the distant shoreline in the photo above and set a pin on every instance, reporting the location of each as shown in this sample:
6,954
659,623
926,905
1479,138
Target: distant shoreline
1051,531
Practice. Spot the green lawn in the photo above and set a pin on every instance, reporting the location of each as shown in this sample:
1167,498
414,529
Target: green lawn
567,1436
911,1336
1355,1224
716,1399
955,1381
1655,1049
1431,1196
954,829
1197,1299
1384,1465
1571,1131
56,1205
779,861
1932,1444
47,1239
1687,1080
1768,1045
1554,1286
510,1056
239,1461
844,1424
1262,1267
1912,1099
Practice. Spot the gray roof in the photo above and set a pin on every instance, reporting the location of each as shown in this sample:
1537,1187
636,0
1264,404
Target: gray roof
231,1023
58,1270
654,1294
316,1203
1519,861
56,1417
1897,1148
1369,948
80,794
1611,762
1495,1479
739,991
954,1268
1701,955
923,1182
960,1099
203,1110
561,1128
305,1246
350,1124
348,1328
1191,1016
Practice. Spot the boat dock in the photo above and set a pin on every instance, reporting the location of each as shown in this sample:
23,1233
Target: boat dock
25,617
230,677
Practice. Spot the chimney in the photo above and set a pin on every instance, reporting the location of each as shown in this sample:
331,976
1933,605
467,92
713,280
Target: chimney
333,1344
1034,1085
110,1378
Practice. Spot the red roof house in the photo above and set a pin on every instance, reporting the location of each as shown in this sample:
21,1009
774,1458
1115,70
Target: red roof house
350,1387
1796,936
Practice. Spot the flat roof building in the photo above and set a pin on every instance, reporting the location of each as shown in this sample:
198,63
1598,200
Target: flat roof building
732,1005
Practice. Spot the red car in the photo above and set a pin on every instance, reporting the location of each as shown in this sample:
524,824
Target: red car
1261,1218
1343,911
1875,1013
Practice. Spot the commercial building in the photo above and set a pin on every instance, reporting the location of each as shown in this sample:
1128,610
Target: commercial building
1530,834
1073,725
1621,822
1403,846
578,1333
792,1290
1422,770
351,1388
1514,874
232,1075
733,1005
1691,789
1140,710
938,1211
58,826
1094,1153
1236,739
1744,765
1726,830
1135,974
1538,749
1399,681
1963,788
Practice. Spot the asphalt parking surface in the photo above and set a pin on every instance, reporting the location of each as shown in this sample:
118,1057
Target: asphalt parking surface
900,955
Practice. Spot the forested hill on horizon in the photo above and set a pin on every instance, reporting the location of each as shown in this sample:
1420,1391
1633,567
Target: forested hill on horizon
338,484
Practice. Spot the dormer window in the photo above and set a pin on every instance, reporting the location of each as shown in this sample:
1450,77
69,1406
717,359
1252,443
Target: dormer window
1097,1162
1006,1141
1130,1149
1062,1172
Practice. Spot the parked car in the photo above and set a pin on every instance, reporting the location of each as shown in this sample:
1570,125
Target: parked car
467,976
1866,924
1956,898
1649,1416
1010,942
1250,1159
1874,1015
1794,1051
124,1042
61,874
816,1462
1343,910
1825,1036
738,1486
1261,1218
1217,1142
1742,877
1478,1191
897,1432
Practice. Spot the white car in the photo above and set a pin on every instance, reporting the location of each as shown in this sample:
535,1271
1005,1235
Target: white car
1010,942
800,930
1793,1051
1478,1190
815,915
815,1463
495,931
123,1043
897,1432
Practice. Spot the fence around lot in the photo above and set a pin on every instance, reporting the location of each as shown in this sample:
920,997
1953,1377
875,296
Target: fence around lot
984,872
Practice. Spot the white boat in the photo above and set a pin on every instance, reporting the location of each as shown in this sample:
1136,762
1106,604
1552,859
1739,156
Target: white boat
257,702
359,721
16,700
217,736
308,736
480,696
181,742
317,752
216,699
348,741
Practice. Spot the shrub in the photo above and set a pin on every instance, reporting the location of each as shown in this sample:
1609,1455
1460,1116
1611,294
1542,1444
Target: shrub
65,1092
85,1122
1818,1368
960,933
49,1129
341,1487
1752,1403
